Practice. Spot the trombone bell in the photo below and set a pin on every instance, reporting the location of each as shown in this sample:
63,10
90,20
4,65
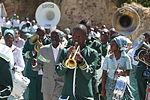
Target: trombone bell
34,40
71,63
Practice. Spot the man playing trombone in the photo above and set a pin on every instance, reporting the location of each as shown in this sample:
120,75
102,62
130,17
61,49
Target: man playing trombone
143,65
77,64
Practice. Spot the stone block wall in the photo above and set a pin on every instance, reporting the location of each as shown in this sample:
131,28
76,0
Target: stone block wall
72,11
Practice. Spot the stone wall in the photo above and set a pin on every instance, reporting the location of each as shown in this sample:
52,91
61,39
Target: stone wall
72,11
98,11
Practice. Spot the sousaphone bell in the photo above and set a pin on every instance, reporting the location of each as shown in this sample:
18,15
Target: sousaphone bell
47,15
126,20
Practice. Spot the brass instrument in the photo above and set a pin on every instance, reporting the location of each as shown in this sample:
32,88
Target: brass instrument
47,15
35,40
126,20
144,49
71,62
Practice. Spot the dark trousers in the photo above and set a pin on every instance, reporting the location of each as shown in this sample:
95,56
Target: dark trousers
4,99
34,88
142,83
75,98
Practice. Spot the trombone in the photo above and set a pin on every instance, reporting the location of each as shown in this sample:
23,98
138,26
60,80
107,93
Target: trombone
35,40
71,62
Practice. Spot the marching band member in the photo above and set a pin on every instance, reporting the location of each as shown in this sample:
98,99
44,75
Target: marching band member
19,64
96,45
46,59
6,62
134,63
142,83
78,81
116,64
30,52
105,47
9,36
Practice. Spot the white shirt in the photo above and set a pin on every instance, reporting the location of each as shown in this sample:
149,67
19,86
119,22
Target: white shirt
131,53
8,24
2,21
19,43
21,24
64,42
55,52
18,58
16,23
26,30
33,29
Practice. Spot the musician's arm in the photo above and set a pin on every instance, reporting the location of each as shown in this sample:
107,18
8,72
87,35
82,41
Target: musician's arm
27,50
97,46
39,61
104,75
88,68
135,55
60,66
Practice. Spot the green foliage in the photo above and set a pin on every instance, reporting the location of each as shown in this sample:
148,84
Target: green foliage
145,3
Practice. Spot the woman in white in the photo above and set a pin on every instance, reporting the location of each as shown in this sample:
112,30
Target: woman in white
117,64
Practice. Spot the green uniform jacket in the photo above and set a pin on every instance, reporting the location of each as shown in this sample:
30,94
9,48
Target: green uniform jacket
85,71
5,76
29,57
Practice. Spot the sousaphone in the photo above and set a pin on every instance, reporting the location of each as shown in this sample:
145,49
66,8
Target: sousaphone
47,15
126,20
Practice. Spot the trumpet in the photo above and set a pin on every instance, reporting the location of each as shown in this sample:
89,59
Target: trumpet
71,62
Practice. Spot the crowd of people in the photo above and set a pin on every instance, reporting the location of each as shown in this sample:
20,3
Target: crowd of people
83,62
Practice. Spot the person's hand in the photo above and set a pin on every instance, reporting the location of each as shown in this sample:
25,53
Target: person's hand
71,52
14,68
118,72
35,69
34,62
79,57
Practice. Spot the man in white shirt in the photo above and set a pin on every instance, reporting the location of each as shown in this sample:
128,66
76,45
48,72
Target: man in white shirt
24,22
16,22
47,57
19,42
8,23
33,28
